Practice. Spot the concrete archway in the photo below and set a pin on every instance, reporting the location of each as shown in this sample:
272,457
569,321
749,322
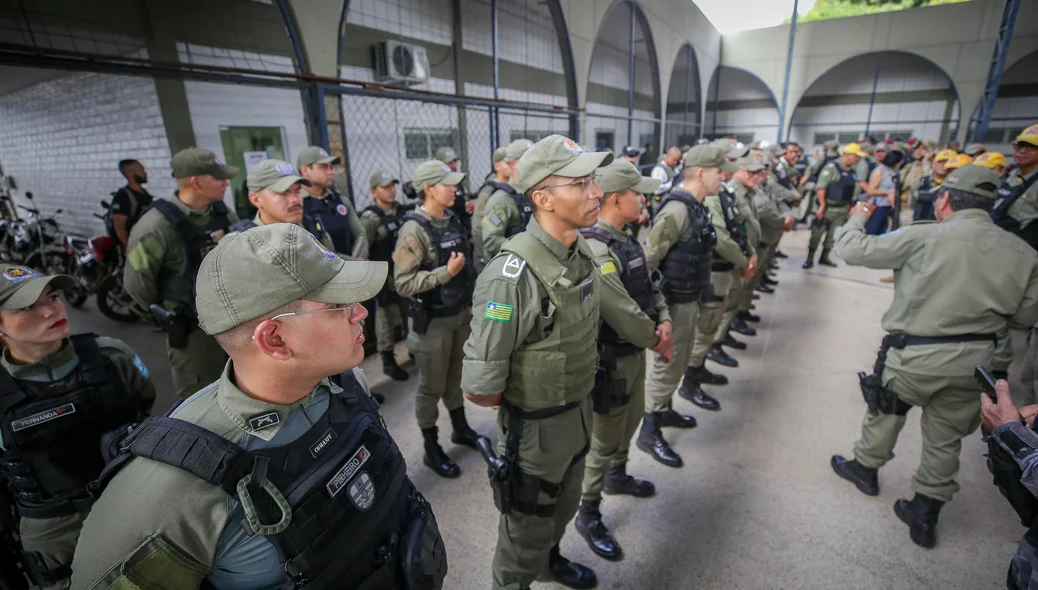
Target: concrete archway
740,104
1016,106
684,100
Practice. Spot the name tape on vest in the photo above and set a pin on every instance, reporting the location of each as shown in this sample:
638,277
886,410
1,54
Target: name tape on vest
346,473
44,416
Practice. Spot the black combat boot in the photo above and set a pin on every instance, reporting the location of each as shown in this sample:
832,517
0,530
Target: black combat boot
732,343
618,483
568,573
719,356
390,368
810,262
762,288
766,280
705,377
748,317
650,439
590,526
825,259
691,391
780,254
921,517
671,419
462,433
435,458
739,327
865,478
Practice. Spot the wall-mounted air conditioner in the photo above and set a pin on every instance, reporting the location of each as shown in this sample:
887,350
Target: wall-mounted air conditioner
401,62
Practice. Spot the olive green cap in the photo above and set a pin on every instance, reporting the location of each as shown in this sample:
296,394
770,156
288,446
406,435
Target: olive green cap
276,175
381,178
200,162
517,148
705,156
868,148
433,172
724,143
446,154
559,156
832,144
316,155
974,179
250,274
500,154
621,175
21,286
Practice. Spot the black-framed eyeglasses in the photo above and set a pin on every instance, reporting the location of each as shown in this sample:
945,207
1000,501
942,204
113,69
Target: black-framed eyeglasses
584,183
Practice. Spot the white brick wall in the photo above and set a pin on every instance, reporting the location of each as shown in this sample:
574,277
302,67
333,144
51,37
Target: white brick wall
61,140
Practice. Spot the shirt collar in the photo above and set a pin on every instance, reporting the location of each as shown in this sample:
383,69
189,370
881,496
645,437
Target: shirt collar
256,417
617,233
188,210
554,246
53,366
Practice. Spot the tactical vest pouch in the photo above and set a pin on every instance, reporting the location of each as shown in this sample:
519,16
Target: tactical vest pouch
424,557
40,574
419,315
1008,476
173,323
608,394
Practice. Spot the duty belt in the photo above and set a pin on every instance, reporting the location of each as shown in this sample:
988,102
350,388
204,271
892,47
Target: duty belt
721,266
900,341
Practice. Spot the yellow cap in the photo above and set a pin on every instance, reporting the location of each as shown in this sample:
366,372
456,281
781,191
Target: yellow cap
958,161
853,148
945,155
1029,135
990,160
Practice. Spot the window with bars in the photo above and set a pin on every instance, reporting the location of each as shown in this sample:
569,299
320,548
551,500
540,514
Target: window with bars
533,136
422,143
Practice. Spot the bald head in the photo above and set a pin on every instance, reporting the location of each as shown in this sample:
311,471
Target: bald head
673,156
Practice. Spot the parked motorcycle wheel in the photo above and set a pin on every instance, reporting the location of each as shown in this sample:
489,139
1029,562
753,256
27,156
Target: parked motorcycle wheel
114,302
54,263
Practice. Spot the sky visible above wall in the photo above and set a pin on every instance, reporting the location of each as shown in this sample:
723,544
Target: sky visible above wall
733,16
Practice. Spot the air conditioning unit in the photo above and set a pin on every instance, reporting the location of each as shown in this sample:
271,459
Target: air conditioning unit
401,62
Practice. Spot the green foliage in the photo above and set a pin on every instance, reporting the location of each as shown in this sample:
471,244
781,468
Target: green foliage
827,9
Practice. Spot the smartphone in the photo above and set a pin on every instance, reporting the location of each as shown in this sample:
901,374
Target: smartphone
986,382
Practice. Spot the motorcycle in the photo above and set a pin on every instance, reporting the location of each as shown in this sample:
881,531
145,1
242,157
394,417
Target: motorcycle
34,241
97,269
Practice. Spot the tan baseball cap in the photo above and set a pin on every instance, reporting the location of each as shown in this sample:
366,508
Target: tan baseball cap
975,149
832,144
276,175
433,172
316,155
753,161
517,148
21,286
706,156
250,274
381,178
200,162
621,175
500,154
974,179
446,154
557,155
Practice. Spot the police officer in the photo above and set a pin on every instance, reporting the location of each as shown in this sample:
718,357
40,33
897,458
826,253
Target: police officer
837,190
947,320
166,247
291,478
501,174
129,202
325,207
432,265
681,244
533,353
863,169
634,317
1016,209
507,212
382,220
665,171
61,399
631,154
733,259
463,206
928,188
275,190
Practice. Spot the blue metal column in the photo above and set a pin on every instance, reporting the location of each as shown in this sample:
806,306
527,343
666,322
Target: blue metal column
688,94
789,70
630,80
321,117
717,94
495,116
872,99
998,62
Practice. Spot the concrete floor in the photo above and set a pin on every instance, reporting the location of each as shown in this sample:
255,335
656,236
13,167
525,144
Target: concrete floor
756,505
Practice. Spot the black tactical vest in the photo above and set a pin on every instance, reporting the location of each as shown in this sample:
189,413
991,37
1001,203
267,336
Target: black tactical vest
843,190
783,176
1007,195
924,205
53,430
334,219
382,248
686,267
636,278
354,519
825,162
447,300
195,242
736,226
524,206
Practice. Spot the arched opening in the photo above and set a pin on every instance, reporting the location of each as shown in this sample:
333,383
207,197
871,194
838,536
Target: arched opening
886,95
739,104
623,105
683,100
1016,106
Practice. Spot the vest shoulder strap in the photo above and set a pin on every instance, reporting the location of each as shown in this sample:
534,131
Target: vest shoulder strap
243,225
87,349
170,210
541,262
503,186
11,394
597,233
376,210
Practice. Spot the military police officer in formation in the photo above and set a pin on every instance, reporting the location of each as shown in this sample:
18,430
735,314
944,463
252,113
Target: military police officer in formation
634,318
942,324
462,207
62,398
292,480
533,352
681,243
501,174
1017,207
382,221
275,192
166,247
507,211
928,188
432,265
836,189
327,211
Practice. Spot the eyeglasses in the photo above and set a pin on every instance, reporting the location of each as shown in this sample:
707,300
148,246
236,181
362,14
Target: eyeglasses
336,307
584,183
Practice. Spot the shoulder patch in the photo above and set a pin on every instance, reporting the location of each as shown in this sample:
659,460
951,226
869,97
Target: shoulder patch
498,312
513,266
139,364
607,267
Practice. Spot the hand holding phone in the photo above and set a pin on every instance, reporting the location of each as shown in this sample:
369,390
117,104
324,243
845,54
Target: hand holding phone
986,382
